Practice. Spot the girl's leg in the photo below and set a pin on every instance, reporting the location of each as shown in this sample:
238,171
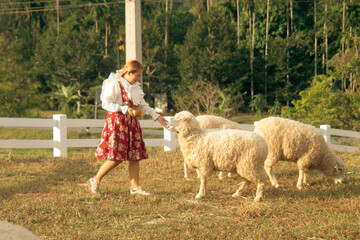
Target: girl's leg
105,168
134,169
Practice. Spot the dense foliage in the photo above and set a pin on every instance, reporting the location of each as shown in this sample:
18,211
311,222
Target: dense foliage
187,45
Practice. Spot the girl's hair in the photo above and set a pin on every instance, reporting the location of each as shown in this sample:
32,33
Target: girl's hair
131,67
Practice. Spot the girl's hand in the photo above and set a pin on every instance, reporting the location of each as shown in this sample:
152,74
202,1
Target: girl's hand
135,112
163,121
131,111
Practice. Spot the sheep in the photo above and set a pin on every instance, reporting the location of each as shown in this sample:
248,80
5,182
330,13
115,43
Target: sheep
211,121
13,231
227,150
292,141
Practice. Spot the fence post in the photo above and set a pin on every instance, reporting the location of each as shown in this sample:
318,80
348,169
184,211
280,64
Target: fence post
60,135
170,141
327,134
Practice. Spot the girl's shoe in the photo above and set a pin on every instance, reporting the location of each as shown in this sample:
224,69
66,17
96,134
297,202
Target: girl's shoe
93,185
139,190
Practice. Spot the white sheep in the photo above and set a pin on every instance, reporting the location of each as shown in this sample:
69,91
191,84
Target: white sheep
227,150
292,141
211,121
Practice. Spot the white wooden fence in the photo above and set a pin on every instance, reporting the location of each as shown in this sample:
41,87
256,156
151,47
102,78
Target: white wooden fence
61,125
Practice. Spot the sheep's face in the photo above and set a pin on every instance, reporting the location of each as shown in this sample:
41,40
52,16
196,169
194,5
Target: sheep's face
173,126
338,173
178,119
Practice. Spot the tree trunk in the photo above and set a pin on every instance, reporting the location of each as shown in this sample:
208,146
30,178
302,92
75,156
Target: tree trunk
34,33
350,34
315,32
57,17
326,68
266,44
287,53
78,103
166,25
106,39
250,37
343,79
252,52
291,17
199,8
238,22
343,26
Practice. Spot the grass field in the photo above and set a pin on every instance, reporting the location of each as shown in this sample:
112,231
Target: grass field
49,197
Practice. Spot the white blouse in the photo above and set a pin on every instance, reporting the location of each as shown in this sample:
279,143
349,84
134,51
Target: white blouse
112,100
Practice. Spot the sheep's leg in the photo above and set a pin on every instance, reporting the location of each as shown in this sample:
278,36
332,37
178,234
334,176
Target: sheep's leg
243,186
259,192
299,184
271,176
197,172
221,174
185,170
306,179
202,189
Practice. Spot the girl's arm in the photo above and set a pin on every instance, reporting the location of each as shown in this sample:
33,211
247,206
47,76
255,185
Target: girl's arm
151,112
148,110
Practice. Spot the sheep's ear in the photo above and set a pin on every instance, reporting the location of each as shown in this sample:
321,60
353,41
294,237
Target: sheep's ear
178,117
185,119
181,117
338,168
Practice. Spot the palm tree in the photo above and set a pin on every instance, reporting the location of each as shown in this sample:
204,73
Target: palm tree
65,95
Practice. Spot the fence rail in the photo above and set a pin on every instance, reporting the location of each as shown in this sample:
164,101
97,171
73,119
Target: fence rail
60,125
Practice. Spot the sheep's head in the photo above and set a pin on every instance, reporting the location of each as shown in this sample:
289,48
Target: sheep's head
332,166
338,171
183,117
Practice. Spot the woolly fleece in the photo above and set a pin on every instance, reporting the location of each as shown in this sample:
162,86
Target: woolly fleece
293,141
227,150
210,121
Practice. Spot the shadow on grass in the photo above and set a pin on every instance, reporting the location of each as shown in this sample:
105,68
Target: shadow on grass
24,175
319,189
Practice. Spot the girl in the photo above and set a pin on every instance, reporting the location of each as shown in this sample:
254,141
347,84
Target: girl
122,138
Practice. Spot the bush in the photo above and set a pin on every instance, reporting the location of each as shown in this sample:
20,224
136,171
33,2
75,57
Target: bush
321,104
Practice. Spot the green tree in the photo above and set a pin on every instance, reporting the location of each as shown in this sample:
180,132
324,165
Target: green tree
210,53
349,110
66,96
18,91
74,57
161,73
259,103
318,103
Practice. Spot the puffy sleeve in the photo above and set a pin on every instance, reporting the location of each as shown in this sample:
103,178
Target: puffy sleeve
111,97
148,110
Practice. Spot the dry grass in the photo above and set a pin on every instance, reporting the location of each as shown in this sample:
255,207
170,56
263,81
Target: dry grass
48,196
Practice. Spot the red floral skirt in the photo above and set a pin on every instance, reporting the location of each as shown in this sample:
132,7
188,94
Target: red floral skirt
121,139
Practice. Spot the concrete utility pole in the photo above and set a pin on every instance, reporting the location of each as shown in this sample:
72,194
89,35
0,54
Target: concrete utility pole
133,45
